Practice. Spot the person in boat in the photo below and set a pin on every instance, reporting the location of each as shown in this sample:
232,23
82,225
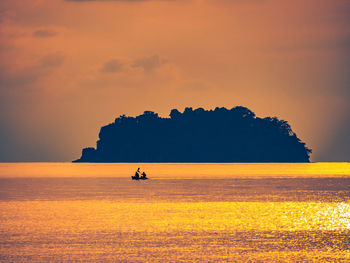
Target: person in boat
137,173
144,176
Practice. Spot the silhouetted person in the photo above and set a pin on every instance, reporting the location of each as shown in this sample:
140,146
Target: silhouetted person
144,176
137,173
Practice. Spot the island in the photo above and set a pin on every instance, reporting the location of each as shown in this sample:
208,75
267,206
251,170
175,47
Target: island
211,136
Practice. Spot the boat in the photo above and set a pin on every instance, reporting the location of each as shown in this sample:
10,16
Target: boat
138,178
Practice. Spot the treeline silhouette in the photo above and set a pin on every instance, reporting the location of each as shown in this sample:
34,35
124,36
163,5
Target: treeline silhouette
219,135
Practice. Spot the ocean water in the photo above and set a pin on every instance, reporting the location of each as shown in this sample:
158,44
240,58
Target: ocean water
64,212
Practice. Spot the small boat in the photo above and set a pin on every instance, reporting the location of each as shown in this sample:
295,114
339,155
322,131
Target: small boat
138,178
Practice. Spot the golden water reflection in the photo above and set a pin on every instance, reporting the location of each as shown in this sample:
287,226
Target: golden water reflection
64,212
140,230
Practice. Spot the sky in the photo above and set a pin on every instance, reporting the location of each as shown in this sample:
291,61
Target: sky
68,67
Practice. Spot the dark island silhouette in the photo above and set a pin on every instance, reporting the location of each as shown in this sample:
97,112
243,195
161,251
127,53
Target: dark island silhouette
219,135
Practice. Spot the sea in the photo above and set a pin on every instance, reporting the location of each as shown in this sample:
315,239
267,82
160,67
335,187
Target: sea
217,212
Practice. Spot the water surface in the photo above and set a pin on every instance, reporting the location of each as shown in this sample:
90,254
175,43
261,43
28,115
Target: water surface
185,212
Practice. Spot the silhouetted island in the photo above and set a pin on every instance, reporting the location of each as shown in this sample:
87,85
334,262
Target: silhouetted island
219,135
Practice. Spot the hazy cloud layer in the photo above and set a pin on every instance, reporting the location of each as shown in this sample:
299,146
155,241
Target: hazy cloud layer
113,0
52,60
44,33
113,66
25,77
149,63
18,79
220,52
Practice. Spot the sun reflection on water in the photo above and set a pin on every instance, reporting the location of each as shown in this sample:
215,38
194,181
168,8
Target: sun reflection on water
236,226
185,213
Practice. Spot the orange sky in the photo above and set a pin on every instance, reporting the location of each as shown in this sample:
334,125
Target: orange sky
69,67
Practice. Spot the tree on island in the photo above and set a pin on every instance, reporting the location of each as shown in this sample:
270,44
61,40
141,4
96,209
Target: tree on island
219,135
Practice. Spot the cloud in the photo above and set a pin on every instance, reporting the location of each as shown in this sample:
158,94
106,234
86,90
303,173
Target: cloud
108,0
19,79
27,76
52,60
44,33
113,66
149,63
